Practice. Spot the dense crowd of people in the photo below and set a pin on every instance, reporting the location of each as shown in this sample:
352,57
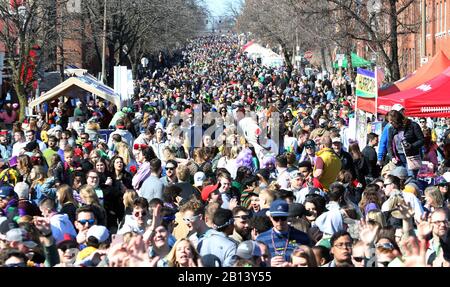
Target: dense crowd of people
219,162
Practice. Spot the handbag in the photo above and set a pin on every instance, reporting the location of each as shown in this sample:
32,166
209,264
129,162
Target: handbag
414,162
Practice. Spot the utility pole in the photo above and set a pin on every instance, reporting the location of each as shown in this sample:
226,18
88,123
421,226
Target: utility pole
104,46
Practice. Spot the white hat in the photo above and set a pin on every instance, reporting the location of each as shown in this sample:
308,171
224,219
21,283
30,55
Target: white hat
22,190
248,249
397,107
336,140
199,177
98,231
446,176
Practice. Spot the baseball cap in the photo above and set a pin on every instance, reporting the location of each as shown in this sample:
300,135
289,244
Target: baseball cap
279,208
248,249
6,190
6,224
400,172
67,240
295,174
20,235
207,190
199,177
336,140
100,232
397,107
310,143
223,218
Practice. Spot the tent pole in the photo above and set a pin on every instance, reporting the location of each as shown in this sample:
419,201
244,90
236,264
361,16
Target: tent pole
376,93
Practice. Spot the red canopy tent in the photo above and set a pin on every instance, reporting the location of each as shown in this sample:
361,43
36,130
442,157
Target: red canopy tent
436,66
430,99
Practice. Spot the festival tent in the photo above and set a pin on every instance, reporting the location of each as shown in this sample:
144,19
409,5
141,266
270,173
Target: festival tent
267,56
430,99
357,61
77,86
437,65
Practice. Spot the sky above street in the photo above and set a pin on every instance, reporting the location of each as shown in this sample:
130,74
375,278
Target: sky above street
219,7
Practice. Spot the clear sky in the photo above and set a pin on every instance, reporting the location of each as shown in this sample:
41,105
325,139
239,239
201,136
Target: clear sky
219,7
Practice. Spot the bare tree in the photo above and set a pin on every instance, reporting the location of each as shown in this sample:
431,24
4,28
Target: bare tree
24,29
138,27
377,23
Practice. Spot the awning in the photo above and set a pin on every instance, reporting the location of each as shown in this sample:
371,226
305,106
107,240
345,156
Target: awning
357,61
74,86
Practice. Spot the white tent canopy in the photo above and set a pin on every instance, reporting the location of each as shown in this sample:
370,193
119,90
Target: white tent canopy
75,86
268,57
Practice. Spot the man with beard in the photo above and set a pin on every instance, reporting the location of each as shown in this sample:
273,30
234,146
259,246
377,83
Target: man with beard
241,230
5,148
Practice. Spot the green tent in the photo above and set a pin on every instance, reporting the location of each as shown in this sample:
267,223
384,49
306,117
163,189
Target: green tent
357,61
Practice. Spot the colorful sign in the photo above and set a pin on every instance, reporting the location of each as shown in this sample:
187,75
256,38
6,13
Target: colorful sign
366,84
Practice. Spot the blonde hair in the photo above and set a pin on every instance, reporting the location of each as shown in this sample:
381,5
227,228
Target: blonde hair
24,164
88,195
65,193
235,152
436,195
124,152
128,198
306,252
172,256
39,172
168,154
377,216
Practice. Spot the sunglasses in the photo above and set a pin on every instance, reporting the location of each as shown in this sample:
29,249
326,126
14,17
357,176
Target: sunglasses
388,246
190,219
88,221
358,259
309,146
279,218
170,168
140,213
72,248
243,217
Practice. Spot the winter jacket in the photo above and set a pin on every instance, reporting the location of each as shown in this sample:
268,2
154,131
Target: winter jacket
412,135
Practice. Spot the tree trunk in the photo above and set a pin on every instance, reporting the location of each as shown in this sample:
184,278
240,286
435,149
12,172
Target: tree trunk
287,57
23,102
324,60
394,67
348,54
110,66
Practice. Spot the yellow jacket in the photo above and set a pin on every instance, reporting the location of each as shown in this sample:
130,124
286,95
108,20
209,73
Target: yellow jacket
331,168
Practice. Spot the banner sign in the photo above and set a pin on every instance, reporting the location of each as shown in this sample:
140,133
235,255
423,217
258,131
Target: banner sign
366,84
